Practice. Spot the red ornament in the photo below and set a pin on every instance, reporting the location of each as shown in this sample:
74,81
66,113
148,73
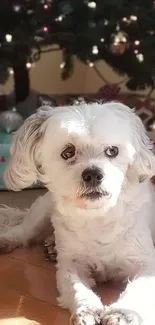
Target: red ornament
2,159
109,92
139,104
147,104
62,102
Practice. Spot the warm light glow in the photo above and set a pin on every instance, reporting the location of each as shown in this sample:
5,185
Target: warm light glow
124,39
92,4
137,42
102,40
91,64
118,28
106,22
8,37
11,71
28,65
151,32
45,6
133,18
16,8
140,57
95,49
60,18
45,29
118,40
62,65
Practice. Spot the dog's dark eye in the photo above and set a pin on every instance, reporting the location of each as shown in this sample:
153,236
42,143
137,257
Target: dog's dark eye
68,152
111,152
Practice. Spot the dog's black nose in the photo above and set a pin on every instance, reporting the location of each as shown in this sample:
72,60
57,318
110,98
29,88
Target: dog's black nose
92,176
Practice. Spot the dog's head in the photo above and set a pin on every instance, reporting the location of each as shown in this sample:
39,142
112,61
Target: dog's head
84,154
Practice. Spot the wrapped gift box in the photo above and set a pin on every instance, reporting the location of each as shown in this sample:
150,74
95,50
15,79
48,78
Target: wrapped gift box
5,140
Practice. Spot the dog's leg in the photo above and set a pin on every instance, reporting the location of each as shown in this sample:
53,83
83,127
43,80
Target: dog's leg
74,284
50,251
136,305
33,224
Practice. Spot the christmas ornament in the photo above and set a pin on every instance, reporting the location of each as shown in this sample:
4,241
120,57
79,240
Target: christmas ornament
75,100
45,100
144,109
151,124
2,159
109,92
79,100
119,43
10,120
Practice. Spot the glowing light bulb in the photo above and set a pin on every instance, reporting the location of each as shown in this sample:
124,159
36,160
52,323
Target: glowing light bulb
95,49
106,22
91,64
102,40
62,65
117,27
133,18
28,65
16,8
11,71
137,42
136,51
125,19
117,40
59,18
140,57
8,38
92,4
124,39
45,29
46,6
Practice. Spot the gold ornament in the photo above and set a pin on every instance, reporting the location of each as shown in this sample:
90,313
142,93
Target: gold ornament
119,43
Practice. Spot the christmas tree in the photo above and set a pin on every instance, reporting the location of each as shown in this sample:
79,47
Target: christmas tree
121,32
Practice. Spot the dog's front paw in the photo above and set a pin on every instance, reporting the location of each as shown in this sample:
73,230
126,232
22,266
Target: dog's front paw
6,245
87,317
121,317
50,252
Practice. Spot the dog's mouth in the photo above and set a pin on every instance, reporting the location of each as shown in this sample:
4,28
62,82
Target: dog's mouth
95,195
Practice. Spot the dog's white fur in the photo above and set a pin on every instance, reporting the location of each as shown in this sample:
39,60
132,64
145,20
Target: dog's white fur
109,238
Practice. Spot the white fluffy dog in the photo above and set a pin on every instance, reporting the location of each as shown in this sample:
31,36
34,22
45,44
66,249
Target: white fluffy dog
96,162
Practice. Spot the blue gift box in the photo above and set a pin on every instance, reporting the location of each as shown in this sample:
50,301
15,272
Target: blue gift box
5,142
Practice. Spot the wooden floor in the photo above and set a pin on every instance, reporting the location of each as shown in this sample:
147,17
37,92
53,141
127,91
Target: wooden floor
27,282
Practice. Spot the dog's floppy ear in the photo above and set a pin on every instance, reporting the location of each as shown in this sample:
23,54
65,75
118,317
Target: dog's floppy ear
22,170
144,162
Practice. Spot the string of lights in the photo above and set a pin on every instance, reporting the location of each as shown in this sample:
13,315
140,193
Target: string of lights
120,32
